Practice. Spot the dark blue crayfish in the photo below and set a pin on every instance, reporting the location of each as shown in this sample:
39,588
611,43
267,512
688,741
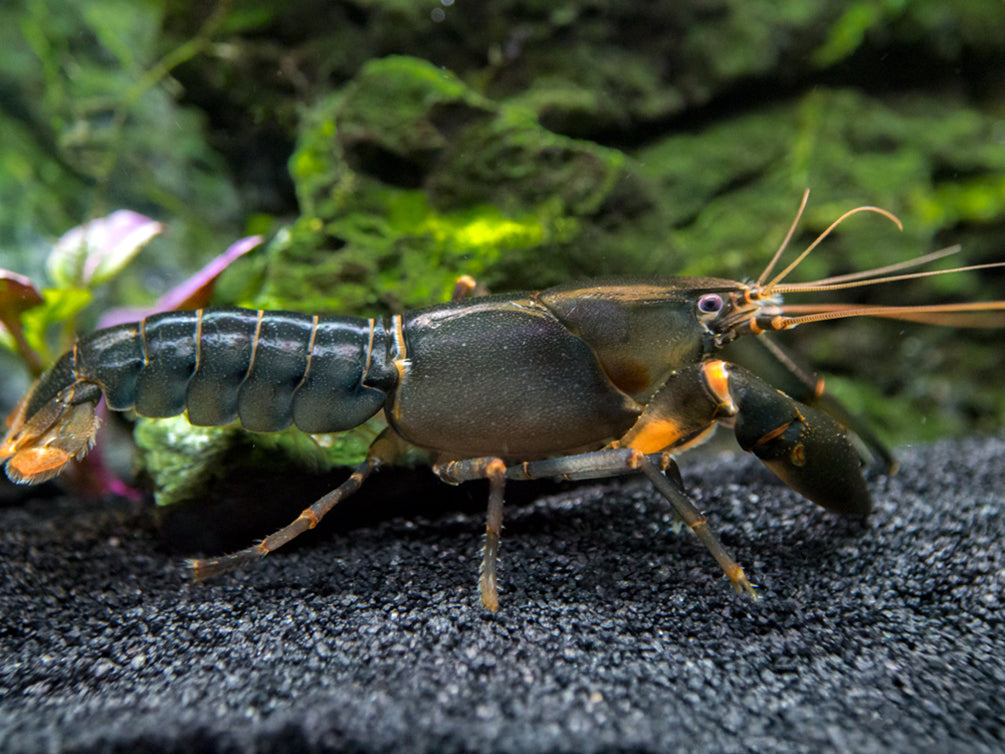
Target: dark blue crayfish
583,381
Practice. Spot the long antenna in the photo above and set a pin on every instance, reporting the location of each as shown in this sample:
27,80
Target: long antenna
916,262
967,314
785,316
785,241
770,287
824,285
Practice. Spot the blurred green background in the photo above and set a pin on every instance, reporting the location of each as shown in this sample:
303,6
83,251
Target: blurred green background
386,146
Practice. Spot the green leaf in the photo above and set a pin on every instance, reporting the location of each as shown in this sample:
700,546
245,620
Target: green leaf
61,304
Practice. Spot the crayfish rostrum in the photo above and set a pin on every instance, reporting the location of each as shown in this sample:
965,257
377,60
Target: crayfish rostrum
583,381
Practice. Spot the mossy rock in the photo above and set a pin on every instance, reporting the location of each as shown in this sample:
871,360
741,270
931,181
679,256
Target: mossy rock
409,179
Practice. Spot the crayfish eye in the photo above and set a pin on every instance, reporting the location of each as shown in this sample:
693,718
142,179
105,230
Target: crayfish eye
710,303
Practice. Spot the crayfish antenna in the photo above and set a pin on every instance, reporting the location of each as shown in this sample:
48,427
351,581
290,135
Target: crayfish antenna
771,287
785,241
906,265
966,314
862,279
972,314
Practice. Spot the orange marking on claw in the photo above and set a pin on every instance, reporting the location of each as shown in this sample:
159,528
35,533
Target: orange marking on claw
717,379
773,433
656,435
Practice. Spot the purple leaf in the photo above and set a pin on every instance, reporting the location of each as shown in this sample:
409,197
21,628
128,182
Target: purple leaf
195,292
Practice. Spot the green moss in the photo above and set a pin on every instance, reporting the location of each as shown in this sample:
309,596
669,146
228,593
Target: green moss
978,200
178,458
731,190
182,460
406,257
849,31
409,179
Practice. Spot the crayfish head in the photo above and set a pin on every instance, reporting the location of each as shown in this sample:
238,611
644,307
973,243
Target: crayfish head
736,309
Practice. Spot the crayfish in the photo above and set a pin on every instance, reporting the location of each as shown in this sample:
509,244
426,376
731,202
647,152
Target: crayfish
582,381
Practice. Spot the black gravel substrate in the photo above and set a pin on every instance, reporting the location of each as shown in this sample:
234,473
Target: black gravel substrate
615,634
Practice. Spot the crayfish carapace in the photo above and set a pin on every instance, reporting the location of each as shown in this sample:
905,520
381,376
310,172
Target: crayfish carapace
596,379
